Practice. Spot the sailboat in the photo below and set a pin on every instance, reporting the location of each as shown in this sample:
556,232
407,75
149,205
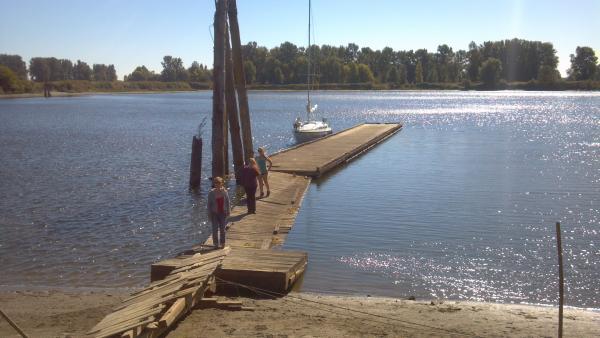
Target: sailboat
311,128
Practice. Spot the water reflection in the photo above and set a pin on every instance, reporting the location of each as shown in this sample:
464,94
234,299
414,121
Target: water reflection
461,204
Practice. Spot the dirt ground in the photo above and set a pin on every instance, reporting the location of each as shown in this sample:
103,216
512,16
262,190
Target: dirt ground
71,314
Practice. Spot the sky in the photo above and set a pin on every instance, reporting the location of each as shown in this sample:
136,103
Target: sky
130,33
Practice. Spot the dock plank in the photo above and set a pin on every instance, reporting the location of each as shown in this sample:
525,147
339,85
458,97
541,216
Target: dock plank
316,158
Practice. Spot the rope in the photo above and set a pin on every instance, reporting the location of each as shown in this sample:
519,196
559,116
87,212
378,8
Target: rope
276,294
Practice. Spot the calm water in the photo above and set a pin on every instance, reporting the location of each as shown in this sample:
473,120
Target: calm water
461,204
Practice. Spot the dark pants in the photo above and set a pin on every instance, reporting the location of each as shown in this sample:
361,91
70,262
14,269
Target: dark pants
251,198
218,226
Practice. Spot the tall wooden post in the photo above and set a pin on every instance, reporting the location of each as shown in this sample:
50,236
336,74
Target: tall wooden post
218,118
561,290
225,134
240,79
232,113
196,163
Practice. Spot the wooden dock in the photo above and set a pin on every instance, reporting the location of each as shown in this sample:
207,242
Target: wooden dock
320,156
252,256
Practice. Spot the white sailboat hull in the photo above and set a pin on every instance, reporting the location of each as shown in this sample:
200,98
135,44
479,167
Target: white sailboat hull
311,130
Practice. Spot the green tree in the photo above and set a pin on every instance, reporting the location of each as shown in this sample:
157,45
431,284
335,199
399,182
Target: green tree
16,64
392,75
39,69
141,73
351,53
198,72
250,71
331,70
278,75
443,58
268,72
419,73
9,82
82,71
65,70
548,75
173,69
432,75
351,74
475,59
50,69
490,71
583,64
100,72
365,74
111,73
300,66
286,53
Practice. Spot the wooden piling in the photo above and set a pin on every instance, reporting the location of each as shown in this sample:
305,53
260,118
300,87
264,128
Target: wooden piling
196,163
560,281
225,139
240,80
232,112
218,118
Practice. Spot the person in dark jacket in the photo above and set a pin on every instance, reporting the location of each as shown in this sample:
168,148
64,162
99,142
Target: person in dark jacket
248,179
218,211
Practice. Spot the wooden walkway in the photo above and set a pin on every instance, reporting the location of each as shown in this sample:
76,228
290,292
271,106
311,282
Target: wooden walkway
251,257
274,218
318,157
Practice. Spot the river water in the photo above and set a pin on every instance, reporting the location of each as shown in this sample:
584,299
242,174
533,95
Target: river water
461,204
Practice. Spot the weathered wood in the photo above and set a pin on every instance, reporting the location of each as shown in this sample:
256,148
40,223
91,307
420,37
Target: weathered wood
196,163
172,313
225,141
237,150
160,270
13,324
240,79
272,270
218,117
121,327
191,299
320,156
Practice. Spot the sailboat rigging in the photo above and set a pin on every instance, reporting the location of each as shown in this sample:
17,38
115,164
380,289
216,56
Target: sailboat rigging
311,128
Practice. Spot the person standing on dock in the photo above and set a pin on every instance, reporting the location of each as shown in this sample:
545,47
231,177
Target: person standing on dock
248,179
218,211
263,179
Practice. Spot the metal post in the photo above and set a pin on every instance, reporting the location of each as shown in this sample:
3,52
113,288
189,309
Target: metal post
561,281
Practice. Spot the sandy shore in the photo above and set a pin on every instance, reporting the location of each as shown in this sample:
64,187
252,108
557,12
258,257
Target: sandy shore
62,314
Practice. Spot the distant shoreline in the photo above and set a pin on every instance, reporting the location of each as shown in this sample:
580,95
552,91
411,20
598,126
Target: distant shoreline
179,88
78,94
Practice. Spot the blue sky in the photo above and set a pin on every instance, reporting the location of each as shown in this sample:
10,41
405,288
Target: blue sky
129,33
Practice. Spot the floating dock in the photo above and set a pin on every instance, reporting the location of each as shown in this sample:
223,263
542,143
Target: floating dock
252,256
317,157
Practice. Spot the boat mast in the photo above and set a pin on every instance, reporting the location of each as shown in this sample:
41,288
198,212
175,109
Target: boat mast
308,56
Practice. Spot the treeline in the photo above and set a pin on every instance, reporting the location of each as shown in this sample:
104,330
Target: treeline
173,71
16,77
515,63
52,69
490,63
